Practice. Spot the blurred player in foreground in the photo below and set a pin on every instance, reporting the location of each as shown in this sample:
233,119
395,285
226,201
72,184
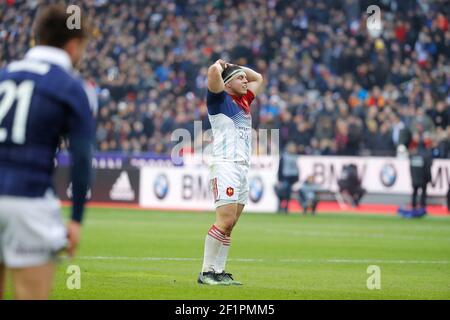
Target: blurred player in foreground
41,101
231,90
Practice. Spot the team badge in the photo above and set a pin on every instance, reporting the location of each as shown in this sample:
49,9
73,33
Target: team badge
230,191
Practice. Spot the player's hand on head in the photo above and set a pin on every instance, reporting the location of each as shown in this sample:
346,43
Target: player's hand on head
73,234
222,63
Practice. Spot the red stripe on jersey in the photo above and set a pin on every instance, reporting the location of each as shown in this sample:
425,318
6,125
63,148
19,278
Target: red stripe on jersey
215,189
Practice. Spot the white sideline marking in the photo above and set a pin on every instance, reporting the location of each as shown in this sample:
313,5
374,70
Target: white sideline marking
351,234
275,260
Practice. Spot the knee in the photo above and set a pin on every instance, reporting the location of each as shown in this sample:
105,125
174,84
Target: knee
226,225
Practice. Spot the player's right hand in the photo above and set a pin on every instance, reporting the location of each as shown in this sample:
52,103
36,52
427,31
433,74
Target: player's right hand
73,234
222,63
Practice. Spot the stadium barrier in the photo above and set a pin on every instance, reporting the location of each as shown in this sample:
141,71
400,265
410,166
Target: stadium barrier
115,186
382,175
153,182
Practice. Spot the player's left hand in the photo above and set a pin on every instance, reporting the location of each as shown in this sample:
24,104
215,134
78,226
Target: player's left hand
73,234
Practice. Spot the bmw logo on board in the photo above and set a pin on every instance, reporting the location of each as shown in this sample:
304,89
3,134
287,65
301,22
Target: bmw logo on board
161,186
256,189
388,175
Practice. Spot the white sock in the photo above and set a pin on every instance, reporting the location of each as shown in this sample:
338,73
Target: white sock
222,255
213,242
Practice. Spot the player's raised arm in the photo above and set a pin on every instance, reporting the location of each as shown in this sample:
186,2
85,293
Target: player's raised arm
215,81
255,80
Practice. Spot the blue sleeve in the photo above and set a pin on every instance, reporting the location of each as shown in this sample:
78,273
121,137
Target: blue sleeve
81,172
214,101
81,129
81,119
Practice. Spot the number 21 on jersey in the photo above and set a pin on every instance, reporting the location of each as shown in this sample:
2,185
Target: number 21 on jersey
21,93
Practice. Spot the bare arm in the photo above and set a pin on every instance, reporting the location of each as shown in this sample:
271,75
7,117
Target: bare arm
215,81
255,80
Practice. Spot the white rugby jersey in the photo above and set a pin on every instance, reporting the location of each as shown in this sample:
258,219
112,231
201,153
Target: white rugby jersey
231,124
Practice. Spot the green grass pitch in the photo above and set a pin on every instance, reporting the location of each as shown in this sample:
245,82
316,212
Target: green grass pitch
132,254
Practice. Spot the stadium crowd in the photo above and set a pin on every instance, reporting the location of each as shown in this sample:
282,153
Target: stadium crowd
332,87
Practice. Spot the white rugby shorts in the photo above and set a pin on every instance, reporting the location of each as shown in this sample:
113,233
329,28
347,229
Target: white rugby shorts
229,183
32,231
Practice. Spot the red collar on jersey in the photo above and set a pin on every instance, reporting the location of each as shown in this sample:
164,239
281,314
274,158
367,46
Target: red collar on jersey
244,101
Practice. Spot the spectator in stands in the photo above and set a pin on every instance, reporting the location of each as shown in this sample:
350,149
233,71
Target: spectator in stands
341,136
401,134
422,122
371,136
378,140
319,61
440,115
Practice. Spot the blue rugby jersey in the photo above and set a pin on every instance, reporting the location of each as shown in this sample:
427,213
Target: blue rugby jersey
41,100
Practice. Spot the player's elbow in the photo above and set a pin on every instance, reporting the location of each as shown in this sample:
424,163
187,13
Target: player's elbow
213,71
259,78
215,82
259,81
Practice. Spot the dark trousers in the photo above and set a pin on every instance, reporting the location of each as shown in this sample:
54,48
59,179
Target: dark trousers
423,195
284,193
312,204
357,194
